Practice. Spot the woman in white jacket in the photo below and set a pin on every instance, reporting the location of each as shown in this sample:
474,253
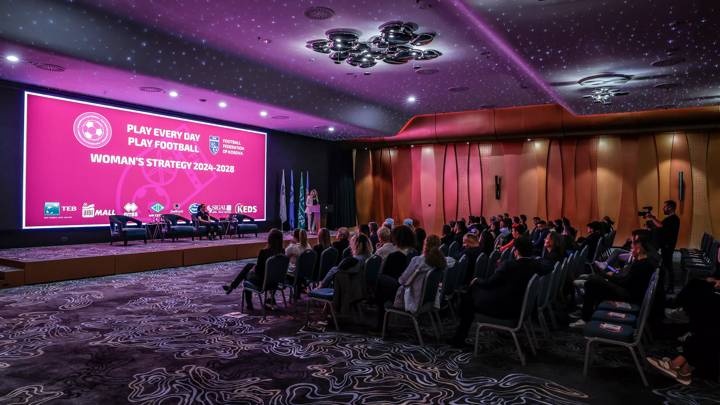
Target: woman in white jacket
409,293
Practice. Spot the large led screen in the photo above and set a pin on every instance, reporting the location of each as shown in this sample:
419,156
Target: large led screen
85,161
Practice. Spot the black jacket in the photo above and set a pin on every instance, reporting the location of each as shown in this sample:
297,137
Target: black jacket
501,295
635,280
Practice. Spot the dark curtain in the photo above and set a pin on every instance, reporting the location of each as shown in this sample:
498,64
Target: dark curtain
342,190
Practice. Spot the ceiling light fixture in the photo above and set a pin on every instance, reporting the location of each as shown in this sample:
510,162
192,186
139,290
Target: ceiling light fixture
411,99
604,95
263,113
331,129
222,104
173,93
394,45
12,58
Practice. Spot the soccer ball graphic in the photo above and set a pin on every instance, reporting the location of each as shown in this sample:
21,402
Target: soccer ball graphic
92,130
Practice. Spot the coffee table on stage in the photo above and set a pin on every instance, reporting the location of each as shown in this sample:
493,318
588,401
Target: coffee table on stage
154,230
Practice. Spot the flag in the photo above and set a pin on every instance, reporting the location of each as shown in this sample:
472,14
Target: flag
307,181
292,201
283,207
301,204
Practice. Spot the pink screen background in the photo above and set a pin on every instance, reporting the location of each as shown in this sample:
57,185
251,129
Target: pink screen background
58,168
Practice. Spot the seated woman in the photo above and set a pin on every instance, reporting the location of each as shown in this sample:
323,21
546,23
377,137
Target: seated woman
324,242
298,245
553,252
205,219
385,246
360,247
471,249
700,300
628,285
404,240
255,272
411,279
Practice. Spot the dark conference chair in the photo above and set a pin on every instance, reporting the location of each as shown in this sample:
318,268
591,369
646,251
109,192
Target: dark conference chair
178,227
125,229
204,229
245,224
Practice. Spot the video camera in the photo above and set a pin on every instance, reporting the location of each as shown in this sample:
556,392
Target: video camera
645,211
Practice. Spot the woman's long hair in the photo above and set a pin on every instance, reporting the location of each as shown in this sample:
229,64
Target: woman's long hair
275,241
302,239
432,253
360,245
324,238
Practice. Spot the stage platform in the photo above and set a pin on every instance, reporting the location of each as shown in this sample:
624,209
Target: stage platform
20,266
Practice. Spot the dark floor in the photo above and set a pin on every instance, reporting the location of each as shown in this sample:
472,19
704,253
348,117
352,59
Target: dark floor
172,336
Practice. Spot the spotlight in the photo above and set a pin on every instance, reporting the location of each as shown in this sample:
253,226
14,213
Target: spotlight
331,129
222,104
12,58
263,113
173,93
411,99
529,140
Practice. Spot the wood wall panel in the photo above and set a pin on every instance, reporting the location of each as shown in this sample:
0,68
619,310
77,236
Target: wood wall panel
648,180
681,163
554,181
567,152
528,181
663,147
713,181
437,222
462,151
363,186
416,211
450,184
541,148
402,183
475,180
698,145
377,208
627,220
491,161
387,184
609,174
512,166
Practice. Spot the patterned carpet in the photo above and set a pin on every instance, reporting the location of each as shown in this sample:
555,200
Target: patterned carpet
173,337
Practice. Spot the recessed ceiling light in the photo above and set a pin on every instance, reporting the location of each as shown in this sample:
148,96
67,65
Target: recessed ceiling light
12,58
173,93
411,99
263,113
222,104
331,129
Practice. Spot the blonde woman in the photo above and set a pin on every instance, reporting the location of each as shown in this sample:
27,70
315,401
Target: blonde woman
297,247
312,210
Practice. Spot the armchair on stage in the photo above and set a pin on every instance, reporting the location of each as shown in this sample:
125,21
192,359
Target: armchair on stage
178,227
125,228
204,229
244,224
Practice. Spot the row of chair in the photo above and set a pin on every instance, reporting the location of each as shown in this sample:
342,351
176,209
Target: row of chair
702,262
124,228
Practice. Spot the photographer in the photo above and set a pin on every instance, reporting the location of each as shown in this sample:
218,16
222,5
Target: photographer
667,231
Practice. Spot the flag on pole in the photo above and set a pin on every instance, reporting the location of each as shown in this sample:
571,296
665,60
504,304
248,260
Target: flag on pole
283,206
307,181
302,224
292,201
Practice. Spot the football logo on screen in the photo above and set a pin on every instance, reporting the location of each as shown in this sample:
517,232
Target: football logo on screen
92,130
214,144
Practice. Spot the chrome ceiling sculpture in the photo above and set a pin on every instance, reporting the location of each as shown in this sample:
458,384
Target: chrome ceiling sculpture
394,45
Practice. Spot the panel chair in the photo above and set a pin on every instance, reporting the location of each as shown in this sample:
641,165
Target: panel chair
622,335
444,249
429,292
304,267
450,283
492,263
481,267
326,295
125,228
512,325
545,296
328,258
177,227
276,268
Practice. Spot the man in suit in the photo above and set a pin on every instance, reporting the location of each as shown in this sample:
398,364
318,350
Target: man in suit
501,295
538,237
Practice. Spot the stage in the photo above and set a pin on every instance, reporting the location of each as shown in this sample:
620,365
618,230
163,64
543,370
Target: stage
20,266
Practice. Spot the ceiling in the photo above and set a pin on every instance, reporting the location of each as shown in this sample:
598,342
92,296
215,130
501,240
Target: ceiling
633,54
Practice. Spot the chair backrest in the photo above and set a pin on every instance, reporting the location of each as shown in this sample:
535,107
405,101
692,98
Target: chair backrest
454,249
346,253
598,248
430,287
506,255
305,265
481,265
328,258
529,301
410,254
646,305
372,269
172,219
454,276
444,249
492,263
547,285
394,264
276,268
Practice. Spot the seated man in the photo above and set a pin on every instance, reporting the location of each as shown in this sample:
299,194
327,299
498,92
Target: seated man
517,231
342,242
360,247
204,218
629,284
500,296
538,236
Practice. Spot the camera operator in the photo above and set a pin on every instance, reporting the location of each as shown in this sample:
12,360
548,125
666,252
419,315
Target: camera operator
668,230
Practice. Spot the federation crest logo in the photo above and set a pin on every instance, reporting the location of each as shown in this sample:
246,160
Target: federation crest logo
214,144
92,130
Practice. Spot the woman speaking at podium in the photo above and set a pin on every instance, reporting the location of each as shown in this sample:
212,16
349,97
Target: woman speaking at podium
312,210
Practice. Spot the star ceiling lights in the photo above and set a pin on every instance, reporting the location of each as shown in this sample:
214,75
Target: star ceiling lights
396,44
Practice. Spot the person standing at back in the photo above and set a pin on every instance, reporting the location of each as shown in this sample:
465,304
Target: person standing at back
668,230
